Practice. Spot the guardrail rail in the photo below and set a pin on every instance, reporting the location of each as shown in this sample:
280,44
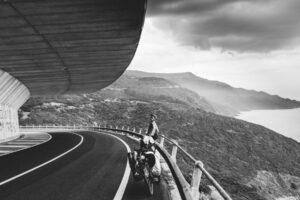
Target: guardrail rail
188,191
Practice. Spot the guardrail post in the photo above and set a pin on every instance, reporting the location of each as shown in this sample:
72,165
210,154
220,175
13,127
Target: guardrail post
116,126
128,128
133,130
162,141
196,179
140,131
174,150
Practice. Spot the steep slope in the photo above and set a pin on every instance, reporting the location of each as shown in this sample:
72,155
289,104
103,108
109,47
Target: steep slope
250,161
225,99
155,89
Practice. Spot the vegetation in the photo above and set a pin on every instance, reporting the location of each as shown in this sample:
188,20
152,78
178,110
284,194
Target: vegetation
234,151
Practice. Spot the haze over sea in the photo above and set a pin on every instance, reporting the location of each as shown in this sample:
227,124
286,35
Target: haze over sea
285,121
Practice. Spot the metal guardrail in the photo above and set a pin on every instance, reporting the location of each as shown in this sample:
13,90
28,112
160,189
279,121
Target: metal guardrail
188,191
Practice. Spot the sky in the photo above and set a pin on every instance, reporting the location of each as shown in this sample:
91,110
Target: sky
252,44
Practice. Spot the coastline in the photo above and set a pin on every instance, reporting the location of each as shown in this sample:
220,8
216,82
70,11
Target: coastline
282,121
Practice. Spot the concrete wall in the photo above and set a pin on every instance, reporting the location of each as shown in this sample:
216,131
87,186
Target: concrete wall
13,94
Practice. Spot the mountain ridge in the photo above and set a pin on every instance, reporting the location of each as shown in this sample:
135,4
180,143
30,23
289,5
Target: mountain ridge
248,160
226,100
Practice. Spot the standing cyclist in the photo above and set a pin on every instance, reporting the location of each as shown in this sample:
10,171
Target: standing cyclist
152,128
147,144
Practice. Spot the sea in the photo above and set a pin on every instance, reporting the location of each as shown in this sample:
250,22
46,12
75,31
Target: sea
284,121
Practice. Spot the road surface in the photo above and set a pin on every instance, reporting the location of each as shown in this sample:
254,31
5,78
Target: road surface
71,166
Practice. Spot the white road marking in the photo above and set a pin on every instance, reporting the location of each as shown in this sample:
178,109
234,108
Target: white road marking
13,146
23,147
4,151
123,184
22,143
43,164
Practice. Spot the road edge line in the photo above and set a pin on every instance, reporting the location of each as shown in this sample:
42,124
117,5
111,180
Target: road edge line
124,182
43,164
29,146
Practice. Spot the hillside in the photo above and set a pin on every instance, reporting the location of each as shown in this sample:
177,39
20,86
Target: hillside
225,99
250,161
155,89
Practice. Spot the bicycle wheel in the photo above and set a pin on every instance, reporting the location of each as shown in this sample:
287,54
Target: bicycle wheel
149,184
148,181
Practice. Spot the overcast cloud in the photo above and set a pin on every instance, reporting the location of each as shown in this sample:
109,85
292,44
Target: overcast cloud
253,44
230,25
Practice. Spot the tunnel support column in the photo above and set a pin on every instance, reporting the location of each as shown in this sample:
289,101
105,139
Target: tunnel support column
13,94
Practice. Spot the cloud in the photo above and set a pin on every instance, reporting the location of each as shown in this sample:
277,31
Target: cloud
184,7
233,25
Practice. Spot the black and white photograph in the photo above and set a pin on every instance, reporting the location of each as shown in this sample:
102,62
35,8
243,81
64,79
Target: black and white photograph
149,100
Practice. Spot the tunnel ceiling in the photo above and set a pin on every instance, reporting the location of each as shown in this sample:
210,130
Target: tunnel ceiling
68,46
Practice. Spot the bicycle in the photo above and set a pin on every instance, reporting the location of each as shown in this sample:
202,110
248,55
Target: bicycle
142,169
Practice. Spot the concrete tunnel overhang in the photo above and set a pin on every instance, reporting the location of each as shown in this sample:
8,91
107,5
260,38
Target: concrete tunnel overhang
68,46
53,47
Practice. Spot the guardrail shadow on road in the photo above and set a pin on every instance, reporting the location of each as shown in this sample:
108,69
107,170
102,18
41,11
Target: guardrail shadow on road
188,191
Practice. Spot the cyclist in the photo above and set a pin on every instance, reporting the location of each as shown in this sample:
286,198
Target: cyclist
152,128
147,147
153,132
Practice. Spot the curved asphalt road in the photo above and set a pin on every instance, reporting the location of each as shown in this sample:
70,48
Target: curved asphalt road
138,190
93,171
